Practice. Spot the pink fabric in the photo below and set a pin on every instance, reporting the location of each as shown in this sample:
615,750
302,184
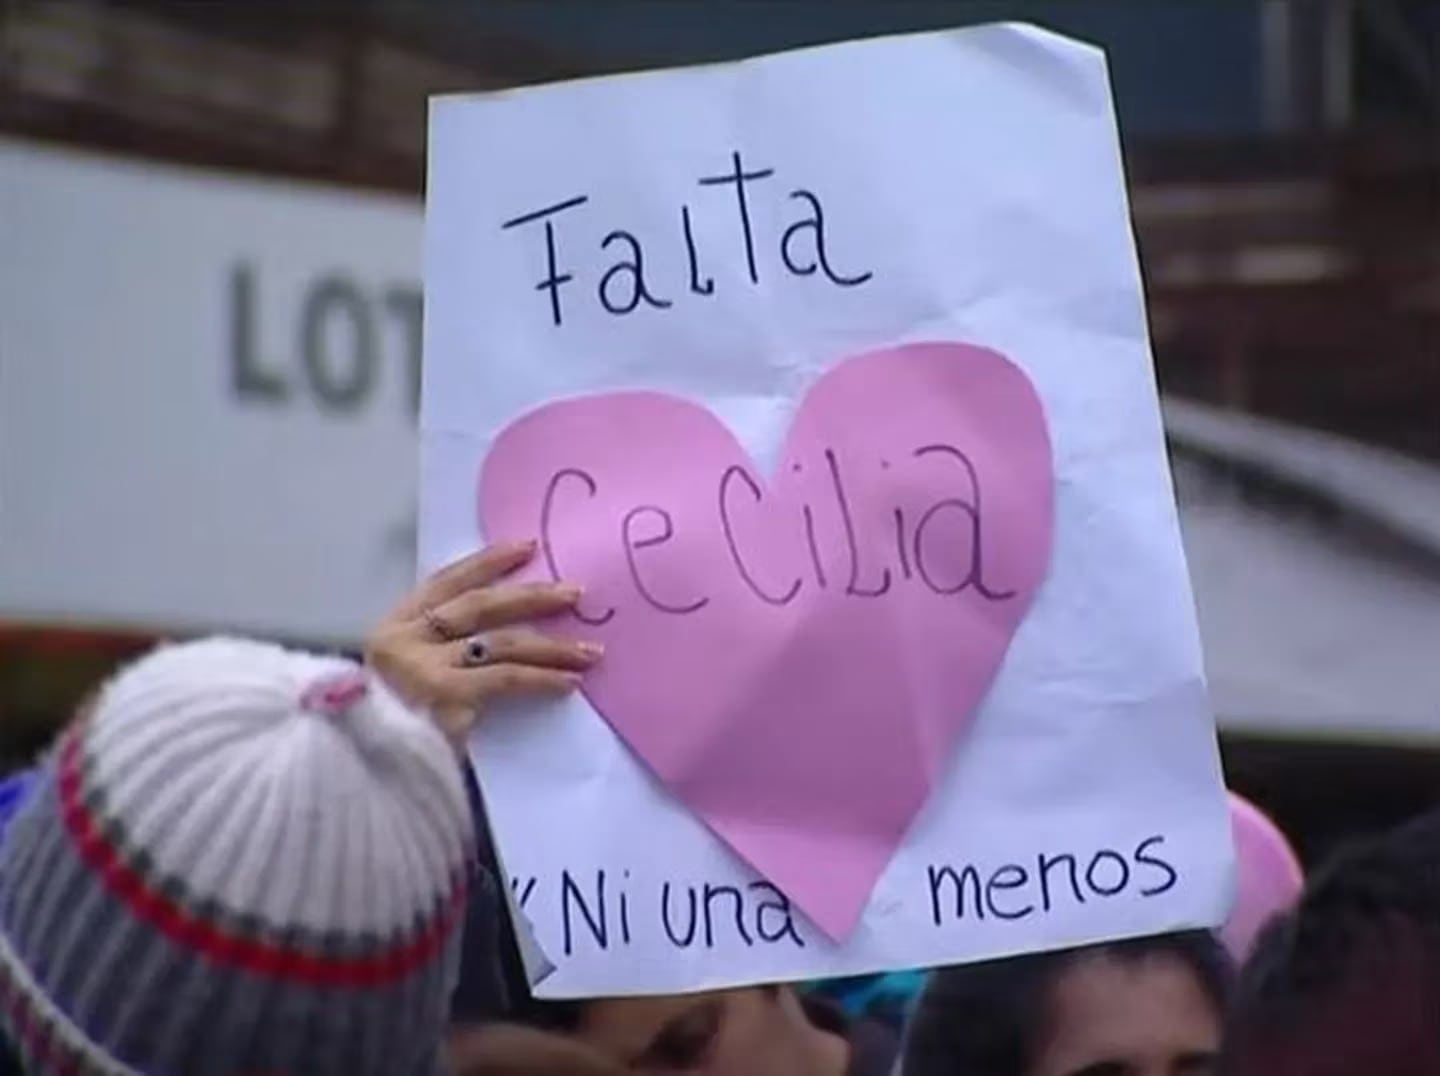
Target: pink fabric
1269,876
332,695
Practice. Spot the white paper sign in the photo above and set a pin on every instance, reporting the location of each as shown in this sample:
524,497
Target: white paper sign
766,241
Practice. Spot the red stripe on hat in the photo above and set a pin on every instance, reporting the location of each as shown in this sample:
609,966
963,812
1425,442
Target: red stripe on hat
184,927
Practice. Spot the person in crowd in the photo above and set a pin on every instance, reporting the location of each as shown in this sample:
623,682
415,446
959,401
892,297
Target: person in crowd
462,641
240,859
751,1031
258,876
516,1050
1149,1006
1268,882
470,608
1348,981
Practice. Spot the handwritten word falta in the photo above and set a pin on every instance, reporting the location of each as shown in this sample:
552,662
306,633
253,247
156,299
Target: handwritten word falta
623,286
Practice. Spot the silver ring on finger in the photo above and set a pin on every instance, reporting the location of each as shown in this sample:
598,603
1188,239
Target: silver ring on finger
477,652
437,625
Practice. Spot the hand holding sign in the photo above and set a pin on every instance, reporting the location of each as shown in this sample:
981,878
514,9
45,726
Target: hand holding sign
425,649
869,590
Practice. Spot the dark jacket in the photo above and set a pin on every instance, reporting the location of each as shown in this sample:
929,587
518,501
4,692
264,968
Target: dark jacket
492,976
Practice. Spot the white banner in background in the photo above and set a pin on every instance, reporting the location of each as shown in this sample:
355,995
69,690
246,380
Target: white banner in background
207,391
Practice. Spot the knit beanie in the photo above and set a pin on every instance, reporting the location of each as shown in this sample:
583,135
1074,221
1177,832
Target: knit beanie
242,861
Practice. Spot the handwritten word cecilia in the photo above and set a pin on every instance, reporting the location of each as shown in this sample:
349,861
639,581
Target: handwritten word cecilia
908,556
623,286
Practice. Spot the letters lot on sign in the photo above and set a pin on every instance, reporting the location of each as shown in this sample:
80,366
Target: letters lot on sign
826,375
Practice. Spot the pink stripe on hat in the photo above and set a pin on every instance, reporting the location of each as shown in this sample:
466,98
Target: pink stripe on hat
332,695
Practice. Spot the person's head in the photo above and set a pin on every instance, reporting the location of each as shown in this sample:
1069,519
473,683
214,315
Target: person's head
1349,980
513,1050
1143,1007
241,859
753,1031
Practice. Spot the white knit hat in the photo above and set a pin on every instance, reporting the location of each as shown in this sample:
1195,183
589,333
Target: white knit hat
243,860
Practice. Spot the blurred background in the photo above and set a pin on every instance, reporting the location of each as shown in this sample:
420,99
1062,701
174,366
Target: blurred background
210,329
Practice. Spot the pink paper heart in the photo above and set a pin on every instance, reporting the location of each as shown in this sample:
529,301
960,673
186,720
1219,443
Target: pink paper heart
796,659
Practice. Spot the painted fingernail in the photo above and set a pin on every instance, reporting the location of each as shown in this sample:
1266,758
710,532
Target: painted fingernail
591,650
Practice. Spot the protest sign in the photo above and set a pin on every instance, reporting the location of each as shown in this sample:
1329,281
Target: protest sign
826,375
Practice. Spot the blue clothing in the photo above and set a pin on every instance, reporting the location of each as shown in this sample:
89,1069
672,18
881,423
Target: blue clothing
13,790
887,999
